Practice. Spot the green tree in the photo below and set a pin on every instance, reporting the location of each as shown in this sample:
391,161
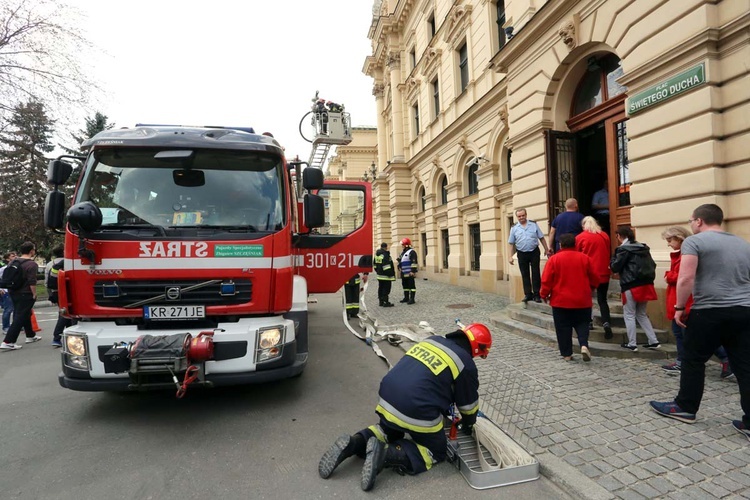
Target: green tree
26,139
41,56
95,124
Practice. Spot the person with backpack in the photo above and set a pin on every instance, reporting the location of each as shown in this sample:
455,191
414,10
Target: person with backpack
5,301
637,269
52,273
19,278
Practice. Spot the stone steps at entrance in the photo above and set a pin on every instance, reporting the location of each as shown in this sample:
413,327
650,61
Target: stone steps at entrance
536,324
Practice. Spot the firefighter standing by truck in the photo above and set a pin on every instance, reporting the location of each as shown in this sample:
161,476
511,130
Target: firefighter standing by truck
407,264
351,294
383,264
414,397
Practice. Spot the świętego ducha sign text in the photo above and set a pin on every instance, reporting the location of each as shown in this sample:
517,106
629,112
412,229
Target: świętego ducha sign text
666,90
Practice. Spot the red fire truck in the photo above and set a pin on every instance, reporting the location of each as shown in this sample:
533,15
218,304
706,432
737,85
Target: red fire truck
182,235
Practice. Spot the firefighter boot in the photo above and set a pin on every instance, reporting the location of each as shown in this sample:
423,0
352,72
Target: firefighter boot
406,297
411,298
386,303
344,447
374,460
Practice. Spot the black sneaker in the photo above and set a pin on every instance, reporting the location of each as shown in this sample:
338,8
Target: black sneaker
651,346
631,347
607,331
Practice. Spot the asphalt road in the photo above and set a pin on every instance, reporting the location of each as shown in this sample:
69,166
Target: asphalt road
246,442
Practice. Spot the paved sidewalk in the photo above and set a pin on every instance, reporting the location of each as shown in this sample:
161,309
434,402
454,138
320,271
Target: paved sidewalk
599,438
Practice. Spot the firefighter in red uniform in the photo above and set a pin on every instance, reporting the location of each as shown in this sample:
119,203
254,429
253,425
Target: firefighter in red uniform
414,397
407,264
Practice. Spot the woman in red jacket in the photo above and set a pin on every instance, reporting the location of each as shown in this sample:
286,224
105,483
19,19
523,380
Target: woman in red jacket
567,282
595,243
675,235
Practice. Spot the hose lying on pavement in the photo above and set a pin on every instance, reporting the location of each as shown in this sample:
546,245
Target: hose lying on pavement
393,334
505,451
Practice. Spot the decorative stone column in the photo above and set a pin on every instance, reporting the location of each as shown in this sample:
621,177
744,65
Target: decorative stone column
397,123
400,205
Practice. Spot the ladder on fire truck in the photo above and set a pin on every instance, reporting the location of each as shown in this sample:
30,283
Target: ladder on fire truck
332,127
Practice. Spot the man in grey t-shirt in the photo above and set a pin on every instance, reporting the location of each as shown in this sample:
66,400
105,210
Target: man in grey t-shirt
715,268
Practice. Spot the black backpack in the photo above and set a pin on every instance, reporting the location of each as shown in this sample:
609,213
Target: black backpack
51,282
14,278
647,267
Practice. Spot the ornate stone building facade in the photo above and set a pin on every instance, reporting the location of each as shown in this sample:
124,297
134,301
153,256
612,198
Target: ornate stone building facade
489,105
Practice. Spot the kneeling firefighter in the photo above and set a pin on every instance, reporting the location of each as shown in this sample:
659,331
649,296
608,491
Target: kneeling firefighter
414,397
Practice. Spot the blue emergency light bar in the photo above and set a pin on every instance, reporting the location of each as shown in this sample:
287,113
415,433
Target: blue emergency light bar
249,130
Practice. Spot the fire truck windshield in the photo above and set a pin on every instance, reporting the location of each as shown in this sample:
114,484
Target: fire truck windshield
167,188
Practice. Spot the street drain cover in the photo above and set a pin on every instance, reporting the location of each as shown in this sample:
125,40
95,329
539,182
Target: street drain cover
459,306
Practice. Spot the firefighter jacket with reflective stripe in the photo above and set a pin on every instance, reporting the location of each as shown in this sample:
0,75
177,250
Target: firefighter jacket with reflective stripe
384,265
407,261
420,389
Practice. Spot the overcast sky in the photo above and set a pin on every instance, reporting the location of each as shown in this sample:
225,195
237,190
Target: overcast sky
230,62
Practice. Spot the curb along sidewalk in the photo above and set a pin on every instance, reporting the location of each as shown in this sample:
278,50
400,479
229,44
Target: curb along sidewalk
599,436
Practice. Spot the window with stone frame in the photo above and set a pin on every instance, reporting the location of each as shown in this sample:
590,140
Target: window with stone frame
463,66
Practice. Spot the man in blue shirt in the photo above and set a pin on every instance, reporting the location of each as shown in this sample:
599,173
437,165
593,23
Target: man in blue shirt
526,235
567,222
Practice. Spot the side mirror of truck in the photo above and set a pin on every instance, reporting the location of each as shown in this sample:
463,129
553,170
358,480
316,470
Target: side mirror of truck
54,209
85,216
58,172
314,210
312,178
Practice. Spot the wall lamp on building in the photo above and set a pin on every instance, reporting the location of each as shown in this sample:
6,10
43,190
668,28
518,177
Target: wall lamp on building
371,174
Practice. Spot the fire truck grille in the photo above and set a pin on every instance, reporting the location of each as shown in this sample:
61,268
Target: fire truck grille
121,293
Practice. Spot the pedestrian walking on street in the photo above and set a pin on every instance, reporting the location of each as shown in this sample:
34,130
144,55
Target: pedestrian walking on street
5,300
675,235
407,265
594,242
23,299
567,282
637,271
715,267
567,222
414,397
525,235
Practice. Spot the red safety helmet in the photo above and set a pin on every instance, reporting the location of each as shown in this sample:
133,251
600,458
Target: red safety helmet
406,242
480,339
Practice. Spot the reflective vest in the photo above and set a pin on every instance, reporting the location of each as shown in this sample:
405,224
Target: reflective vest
384,266
408,261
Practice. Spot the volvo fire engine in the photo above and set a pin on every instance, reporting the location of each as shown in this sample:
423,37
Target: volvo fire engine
190,253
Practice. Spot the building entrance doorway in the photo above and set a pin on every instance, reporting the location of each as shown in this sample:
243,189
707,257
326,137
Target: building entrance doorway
594,153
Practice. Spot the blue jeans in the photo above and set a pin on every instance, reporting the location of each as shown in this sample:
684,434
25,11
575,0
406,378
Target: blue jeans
679,335
7,305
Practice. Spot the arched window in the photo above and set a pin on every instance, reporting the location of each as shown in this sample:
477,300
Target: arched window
599,84
472,180
422,200
444,191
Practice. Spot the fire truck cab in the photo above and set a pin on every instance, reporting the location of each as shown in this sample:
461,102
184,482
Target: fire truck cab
196,232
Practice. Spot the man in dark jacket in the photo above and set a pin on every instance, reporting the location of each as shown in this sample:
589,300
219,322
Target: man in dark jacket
414,397
632,260
23,301
383,264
